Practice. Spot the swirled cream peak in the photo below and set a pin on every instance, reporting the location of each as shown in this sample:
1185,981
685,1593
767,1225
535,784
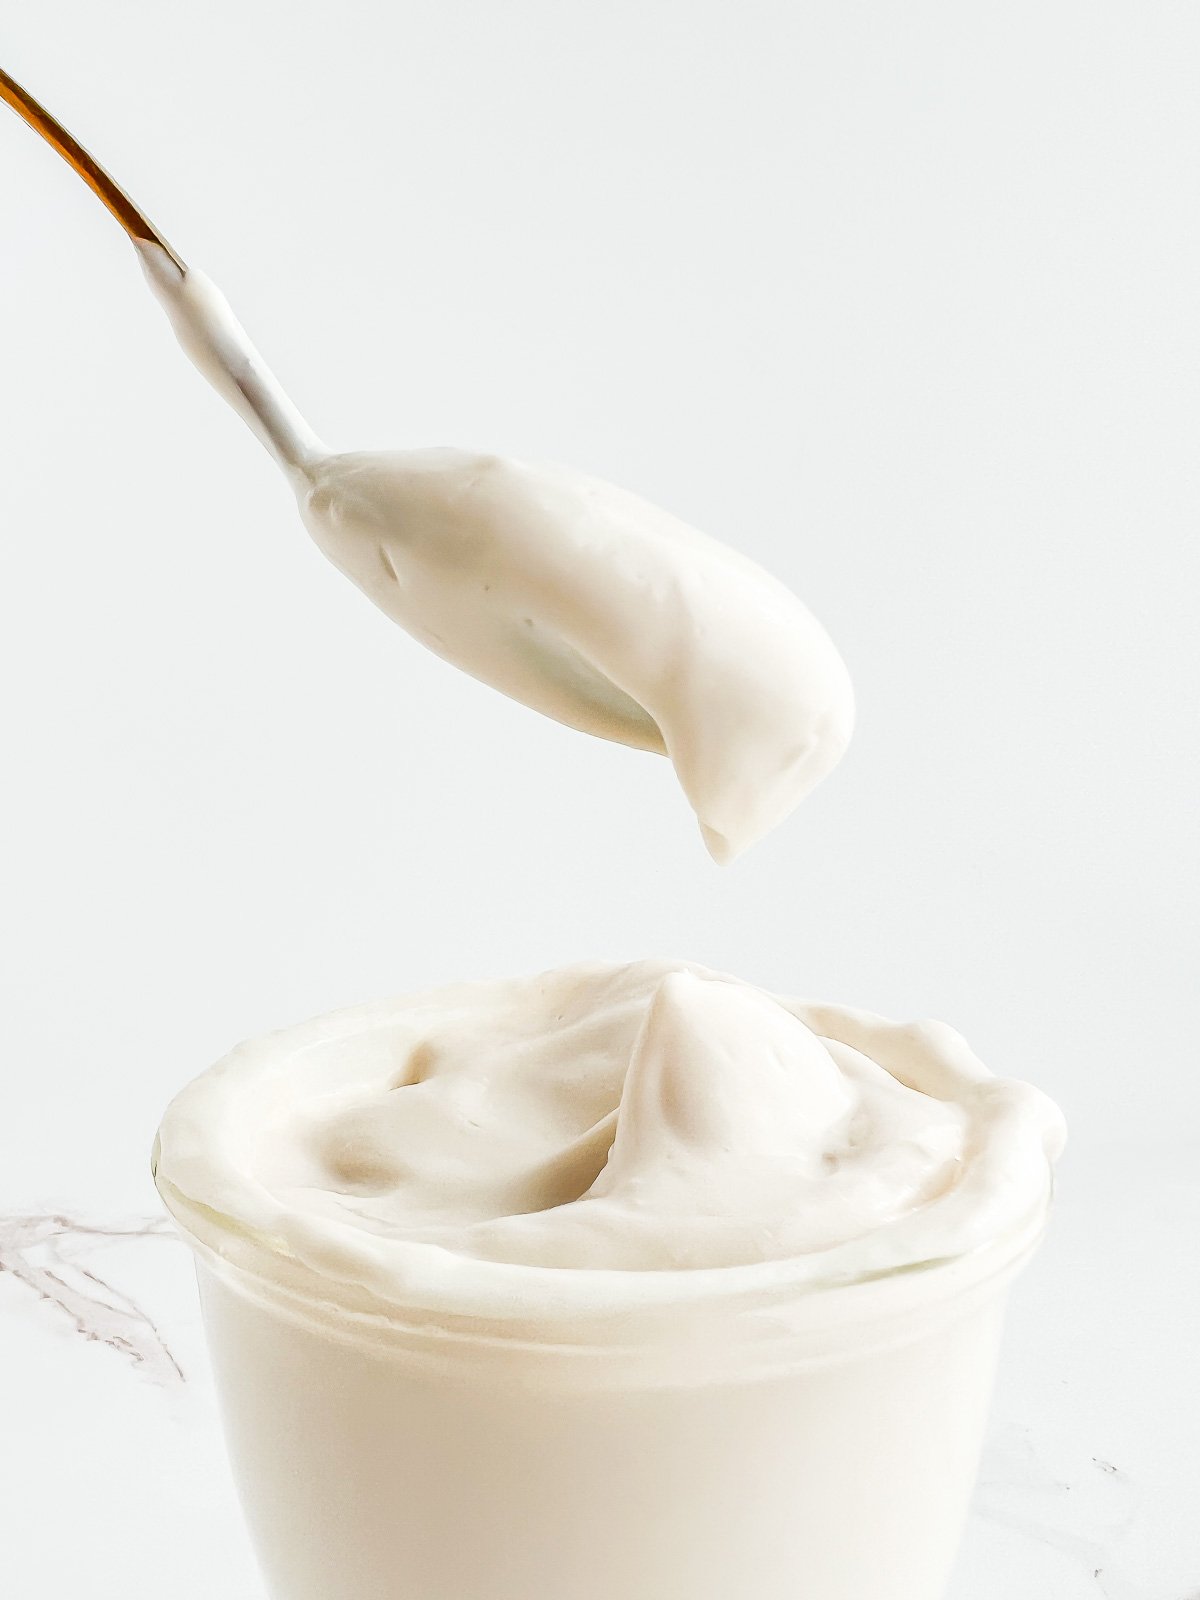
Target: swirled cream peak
647,1119
571,596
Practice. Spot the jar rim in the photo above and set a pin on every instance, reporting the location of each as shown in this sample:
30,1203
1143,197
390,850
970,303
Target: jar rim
755,1303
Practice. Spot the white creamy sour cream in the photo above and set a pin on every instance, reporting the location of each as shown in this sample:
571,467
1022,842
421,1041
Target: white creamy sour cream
642,1123
633,1123
565,593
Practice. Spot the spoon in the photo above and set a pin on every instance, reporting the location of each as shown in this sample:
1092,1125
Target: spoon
567,594
135,222
271,414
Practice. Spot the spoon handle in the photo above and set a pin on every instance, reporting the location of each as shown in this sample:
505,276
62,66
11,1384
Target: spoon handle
135,223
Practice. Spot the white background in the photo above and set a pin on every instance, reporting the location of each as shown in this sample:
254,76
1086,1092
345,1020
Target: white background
900,300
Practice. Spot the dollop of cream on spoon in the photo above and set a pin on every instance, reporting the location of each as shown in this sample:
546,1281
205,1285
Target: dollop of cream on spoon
574,597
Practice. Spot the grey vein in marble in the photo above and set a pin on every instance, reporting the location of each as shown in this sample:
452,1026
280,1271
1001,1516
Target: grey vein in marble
55,1257
1080,1507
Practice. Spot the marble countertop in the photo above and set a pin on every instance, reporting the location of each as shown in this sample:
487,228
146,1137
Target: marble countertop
114,1484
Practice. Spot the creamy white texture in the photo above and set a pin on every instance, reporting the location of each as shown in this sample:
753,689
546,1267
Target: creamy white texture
652,1120
574,597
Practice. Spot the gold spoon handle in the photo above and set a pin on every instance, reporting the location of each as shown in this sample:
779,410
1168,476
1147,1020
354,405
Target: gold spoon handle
135,223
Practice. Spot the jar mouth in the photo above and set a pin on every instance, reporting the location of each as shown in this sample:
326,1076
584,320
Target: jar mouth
282,1223
518,1307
